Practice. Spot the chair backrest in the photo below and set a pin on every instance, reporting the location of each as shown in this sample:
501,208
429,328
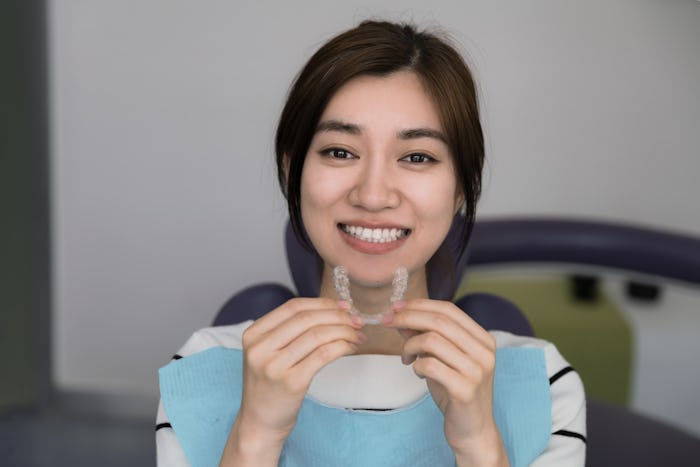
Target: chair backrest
626,247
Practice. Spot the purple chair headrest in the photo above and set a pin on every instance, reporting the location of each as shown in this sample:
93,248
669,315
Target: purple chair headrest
631,248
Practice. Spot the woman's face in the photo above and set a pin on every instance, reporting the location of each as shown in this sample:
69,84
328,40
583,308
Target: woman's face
378,187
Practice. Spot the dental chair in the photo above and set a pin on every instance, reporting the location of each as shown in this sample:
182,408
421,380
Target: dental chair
616,436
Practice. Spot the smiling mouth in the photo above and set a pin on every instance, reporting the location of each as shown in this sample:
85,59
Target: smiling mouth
381,235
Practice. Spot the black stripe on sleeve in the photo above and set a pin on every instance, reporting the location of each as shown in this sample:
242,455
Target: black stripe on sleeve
559,374
163,425
177,357
571,434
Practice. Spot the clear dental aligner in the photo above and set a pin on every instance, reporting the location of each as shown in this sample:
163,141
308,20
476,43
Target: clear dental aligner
341,281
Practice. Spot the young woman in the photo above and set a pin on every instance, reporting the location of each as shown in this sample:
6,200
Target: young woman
379,146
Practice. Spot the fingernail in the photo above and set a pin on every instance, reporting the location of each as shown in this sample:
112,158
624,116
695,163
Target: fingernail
344,305
388,318
357,321
361,336
398,305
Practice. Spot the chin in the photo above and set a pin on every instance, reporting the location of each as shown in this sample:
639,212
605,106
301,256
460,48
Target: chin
373,276
372,282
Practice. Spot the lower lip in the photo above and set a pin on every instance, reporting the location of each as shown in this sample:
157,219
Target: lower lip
371,248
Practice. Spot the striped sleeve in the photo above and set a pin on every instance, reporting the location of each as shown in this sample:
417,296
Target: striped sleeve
169,452
567,444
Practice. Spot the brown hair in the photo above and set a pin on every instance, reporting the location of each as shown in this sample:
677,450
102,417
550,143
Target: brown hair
379,48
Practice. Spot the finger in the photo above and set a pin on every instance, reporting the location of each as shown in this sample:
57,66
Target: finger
460,389
433,369
310,340
426,321
296,325
454,383
407,333
434,345
288,309
322,356
286,330
450,311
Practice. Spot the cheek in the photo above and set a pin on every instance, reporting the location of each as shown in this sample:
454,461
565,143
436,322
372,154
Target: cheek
320,190
436,201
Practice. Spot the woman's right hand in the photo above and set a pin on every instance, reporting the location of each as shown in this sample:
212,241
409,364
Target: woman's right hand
282,352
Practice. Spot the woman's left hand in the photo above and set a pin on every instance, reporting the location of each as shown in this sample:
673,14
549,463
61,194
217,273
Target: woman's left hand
457,357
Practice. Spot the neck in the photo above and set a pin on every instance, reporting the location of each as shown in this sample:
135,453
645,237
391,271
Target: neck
374,300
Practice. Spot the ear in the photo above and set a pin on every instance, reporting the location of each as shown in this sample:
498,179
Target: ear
285,167
285,162
459,202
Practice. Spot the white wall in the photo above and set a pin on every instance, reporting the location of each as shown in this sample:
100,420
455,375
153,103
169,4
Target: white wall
163,113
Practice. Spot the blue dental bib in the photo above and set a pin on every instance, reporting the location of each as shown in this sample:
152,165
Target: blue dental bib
201,395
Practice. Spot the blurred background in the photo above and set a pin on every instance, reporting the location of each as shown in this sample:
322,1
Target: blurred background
139,192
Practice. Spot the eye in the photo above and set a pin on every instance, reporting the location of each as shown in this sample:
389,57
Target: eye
418,158
337,153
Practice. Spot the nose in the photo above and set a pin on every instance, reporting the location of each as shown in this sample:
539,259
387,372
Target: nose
376,187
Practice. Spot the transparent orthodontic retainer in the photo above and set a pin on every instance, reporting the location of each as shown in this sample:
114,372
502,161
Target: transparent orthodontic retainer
341,281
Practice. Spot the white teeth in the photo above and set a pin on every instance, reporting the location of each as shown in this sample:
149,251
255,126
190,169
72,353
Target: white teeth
374,235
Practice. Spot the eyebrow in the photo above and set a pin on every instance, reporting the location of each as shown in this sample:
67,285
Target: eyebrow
353,129
338,126
415,133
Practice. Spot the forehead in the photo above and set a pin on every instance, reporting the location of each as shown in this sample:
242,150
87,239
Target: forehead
396,101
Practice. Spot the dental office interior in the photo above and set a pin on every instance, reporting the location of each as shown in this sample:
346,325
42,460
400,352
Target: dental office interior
139,180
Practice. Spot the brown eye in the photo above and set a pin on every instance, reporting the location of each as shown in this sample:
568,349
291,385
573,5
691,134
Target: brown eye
418,158
338,153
